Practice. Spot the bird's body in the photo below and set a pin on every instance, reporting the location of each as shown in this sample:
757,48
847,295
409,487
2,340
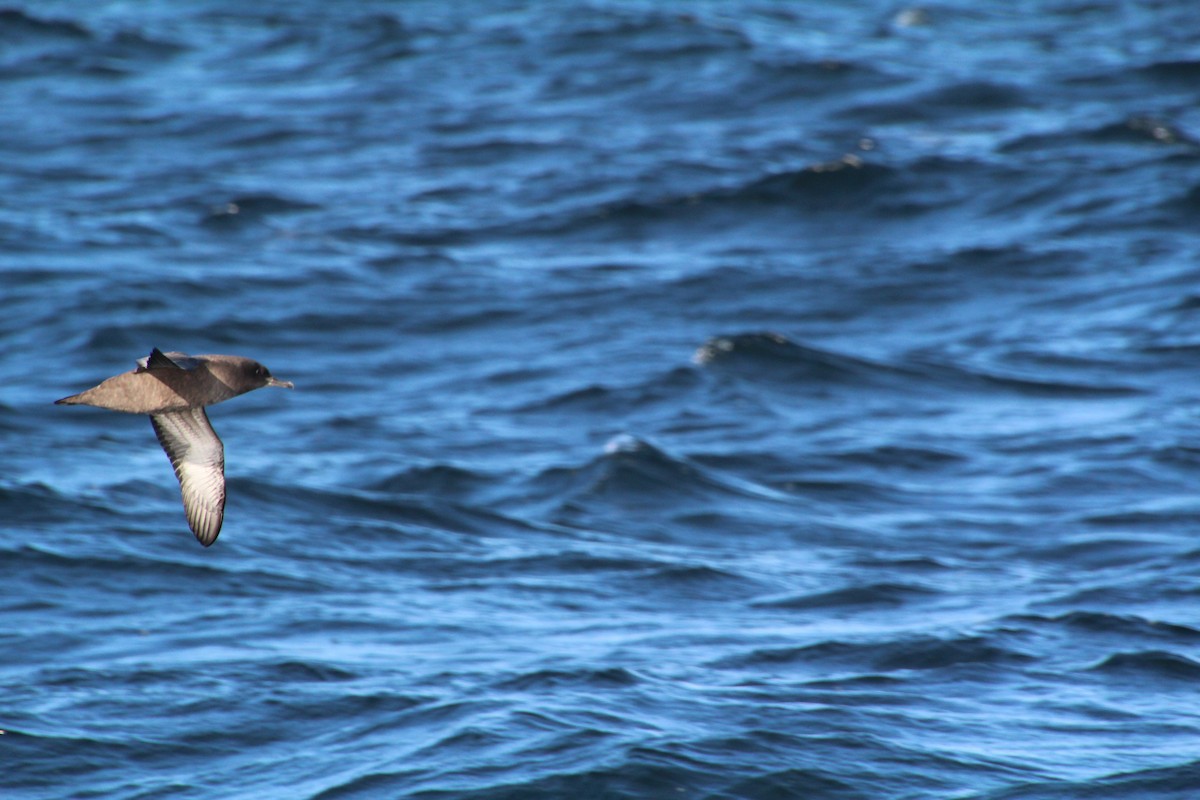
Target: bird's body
173,389
163,383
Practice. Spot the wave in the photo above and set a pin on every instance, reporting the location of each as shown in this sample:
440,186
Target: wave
1150,664
550,679
886,595
608,401
653,34
36,45
1177,782
16,25
772,357
1136,131
670,769
357,43
692,198
948,103
848,183
252,208
38,503
1118,626
631,471
685,583
119,572
1182,71
437,480
912,653
775,357
802,196
363,514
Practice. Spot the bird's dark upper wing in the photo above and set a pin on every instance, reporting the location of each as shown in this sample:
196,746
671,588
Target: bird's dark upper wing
173,360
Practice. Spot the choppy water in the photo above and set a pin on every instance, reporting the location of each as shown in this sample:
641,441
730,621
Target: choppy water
715,400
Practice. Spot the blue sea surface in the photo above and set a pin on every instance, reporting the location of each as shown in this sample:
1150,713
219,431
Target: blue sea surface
730,400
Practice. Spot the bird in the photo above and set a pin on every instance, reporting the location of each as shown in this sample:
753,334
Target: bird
173,389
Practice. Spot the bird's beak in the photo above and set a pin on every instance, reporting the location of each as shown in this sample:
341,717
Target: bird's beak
272,381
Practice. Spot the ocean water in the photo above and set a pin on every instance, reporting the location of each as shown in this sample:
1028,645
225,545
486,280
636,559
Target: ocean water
693,400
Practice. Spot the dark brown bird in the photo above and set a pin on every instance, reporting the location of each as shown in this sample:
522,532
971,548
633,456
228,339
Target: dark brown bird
174,388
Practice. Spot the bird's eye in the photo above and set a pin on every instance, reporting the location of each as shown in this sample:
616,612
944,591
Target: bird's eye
260,371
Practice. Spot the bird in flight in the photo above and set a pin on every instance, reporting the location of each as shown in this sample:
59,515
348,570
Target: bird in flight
173,389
